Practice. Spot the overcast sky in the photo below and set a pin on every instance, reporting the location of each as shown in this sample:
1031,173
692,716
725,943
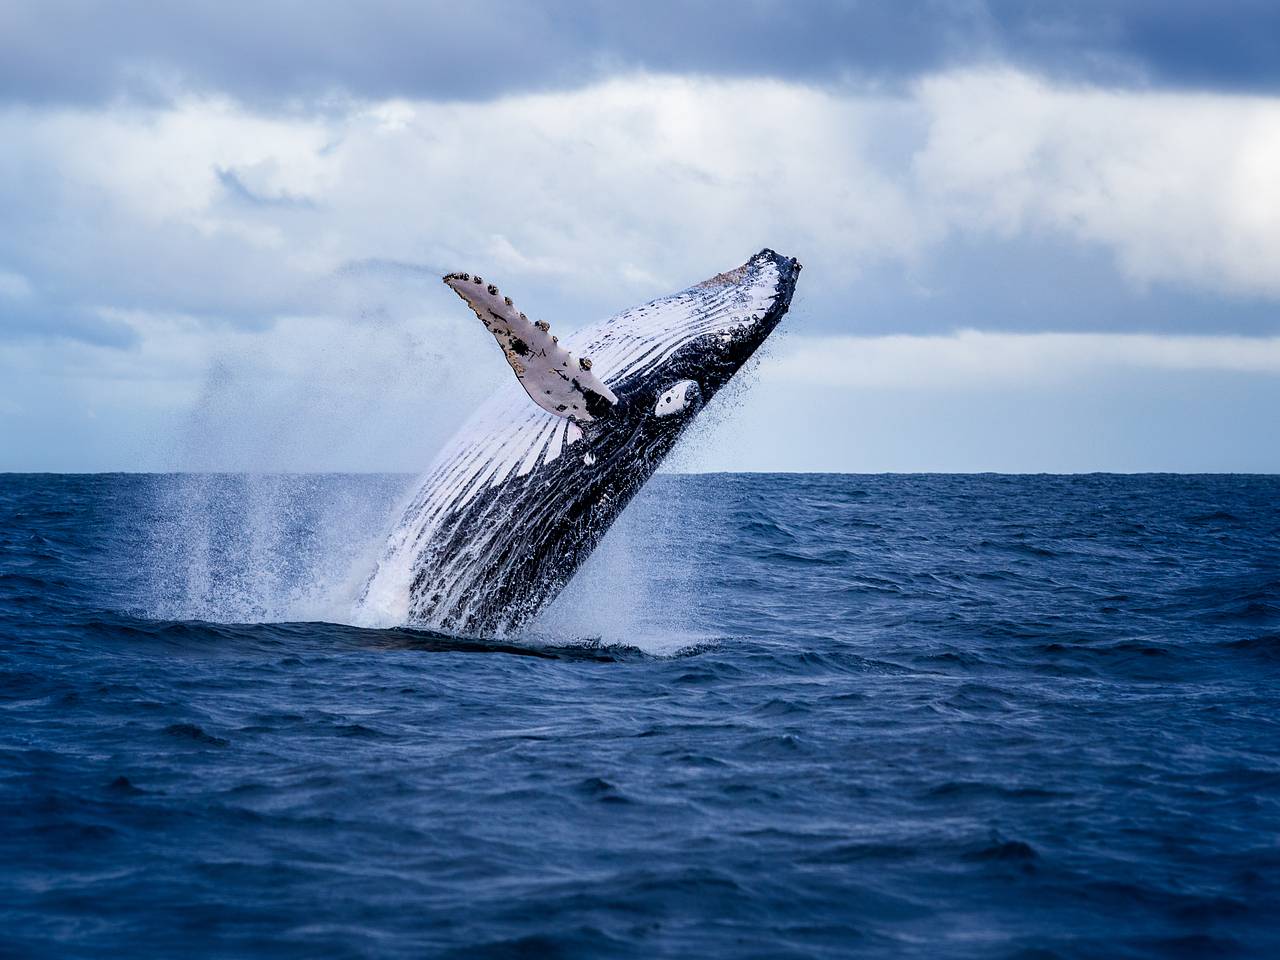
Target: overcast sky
1036,236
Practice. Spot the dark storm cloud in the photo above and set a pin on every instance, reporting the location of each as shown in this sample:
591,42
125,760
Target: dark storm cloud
1224,45
271,53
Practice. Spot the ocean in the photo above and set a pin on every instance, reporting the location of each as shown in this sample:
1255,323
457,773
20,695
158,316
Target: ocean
774,716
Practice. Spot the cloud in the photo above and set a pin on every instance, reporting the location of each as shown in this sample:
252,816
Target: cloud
584,202
596,197
974,360
267,282
1180,186
14,286
224,222
235,183
280,53
306,393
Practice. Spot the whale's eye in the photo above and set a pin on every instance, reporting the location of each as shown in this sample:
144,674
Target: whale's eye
680,396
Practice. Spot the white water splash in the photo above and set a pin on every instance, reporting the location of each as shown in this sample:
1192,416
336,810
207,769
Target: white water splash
635,589
249,548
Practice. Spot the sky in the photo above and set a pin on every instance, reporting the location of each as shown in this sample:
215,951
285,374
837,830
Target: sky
1036,236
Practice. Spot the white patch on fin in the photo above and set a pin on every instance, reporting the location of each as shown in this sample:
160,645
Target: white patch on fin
554,378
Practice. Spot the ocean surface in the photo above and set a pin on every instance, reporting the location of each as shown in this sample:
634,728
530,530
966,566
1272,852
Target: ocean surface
775,716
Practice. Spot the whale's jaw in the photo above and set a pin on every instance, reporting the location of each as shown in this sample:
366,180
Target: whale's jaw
520,497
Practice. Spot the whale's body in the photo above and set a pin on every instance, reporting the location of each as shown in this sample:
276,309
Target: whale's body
518,499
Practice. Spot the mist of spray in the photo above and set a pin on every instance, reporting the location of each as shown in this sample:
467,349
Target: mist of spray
248,548
236,533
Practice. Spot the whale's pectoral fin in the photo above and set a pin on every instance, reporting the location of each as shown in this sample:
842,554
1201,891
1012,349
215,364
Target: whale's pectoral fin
554,378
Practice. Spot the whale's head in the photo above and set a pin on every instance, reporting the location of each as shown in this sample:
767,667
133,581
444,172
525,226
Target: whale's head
667,358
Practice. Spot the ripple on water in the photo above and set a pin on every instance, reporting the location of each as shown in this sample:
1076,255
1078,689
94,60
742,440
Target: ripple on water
818,717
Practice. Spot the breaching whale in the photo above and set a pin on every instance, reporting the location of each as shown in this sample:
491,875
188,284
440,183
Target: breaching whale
518,499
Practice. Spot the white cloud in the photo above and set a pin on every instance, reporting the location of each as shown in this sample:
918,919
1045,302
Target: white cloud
601,195
205,232
1182,187
975,360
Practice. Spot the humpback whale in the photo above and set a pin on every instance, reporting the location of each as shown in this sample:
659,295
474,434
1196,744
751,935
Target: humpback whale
523,493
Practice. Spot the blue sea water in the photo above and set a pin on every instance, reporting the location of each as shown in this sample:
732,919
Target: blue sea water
775,716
